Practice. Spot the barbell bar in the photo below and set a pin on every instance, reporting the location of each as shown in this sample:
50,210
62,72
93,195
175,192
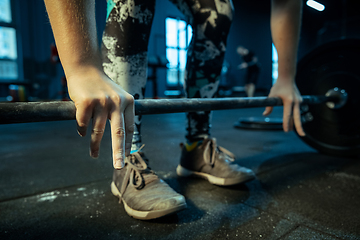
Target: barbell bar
331,128
23,112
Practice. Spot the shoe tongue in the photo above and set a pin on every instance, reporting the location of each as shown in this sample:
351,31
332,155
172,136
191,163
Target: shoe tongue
148,175
134,160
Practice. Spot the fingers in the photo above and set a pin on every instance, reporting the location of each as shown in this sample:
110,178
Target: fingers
83,116
120,111
122,127
118,138
297,120
291,99
129,126
84,112
287,114
292,117
98,129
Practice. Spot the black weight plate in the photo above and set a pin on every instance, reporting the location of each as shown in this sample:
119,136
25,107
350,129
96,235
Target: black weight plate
335,64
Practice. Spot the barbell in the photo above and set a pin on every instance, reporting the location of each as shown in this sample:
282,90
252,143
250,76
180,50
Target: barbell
329,78
22,112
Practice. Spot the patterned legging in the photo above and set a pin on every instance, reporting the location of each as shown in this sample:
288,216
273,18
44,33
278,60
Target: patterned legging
125,44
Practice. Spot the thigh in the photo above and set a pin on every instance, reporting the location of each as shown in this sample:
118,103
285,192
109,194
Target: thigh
125,43
128,25
196,9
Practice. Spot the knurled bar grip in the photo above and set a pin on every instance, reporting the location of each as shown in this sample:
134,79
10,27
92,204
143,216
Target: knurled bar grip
23,112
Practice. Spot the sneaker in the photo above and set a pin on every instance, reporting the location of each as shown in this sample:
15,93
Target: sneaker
212,162
144,195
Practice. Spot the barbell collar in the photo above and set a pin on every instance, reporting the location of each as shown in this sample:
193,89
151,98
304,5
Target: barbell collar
340,95
23,112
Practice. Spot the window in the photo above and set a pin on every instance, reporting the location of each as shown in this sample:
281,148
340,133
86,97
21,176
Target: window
5,11
274,64
8,43
178,37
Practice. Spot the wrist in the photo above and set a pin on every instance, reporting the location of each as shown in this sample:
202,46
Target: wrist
286,79
286,75
75,61
84,69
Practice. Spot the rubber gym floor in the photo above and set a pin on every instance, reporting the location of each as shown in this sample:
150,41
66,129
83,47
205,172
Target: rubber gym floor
51,189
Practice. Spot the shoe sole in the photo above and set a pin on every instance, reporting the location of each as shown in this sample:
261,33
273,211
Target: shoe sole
145,215
183,172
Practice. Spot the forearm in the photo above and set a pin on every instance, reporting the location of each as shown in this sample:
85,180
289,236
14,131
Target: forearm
74,28
285,29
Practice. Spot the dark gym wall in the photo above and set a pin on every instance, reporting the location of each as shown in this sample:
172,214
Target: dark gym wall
157,44
339,20
36,37
251,28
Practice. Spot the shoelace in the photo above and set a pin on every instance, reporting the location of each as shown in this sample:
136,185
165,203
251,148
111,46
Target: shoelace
215,150
136,167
